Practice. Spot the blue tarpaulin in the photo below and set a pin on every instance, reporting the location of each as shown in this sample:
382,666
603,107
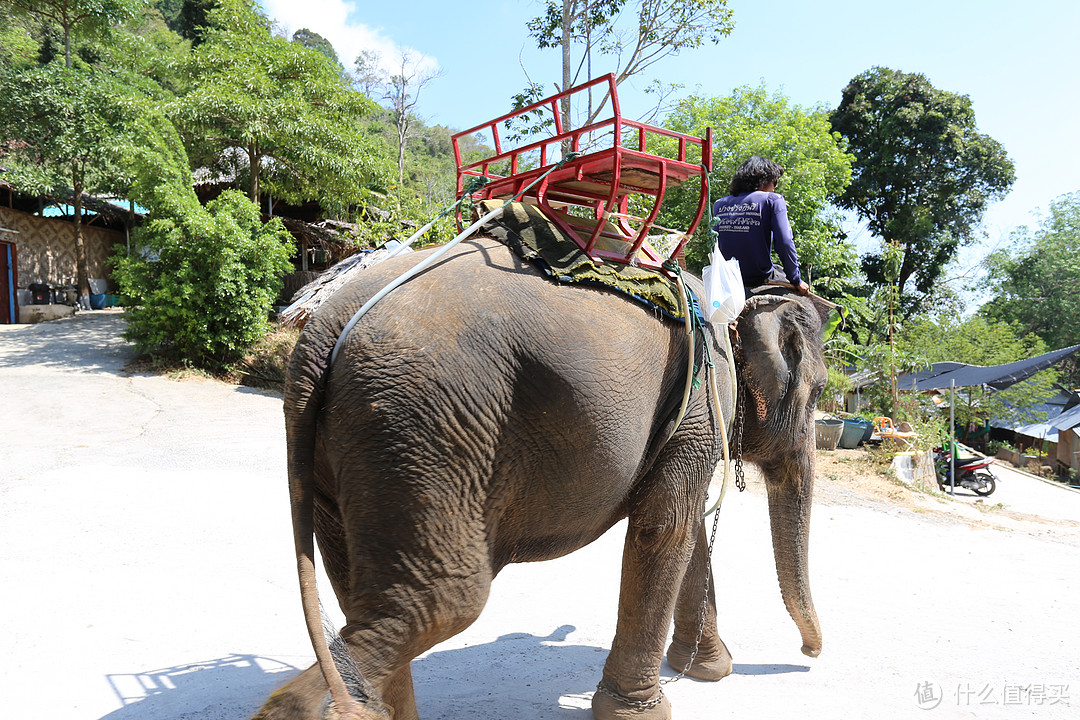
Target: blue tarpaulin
59,209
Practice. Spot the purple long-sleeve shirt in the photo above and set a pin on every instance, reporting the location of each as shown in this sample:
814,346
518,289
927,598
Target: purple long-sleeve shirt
748,227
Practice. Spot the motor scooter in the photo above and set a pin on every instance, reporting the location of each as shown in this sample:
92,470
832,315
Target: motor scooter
972,473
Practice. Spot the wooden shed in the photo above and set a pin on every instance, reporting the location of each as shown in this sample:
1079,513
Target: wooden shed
37,244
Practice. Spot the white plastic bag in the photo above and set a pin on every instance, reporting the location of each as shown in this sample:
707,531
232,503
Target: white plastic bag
724,292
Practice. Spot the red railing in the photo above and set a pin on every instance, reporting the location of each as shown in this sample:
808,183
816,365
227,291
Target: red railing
615,122
605,146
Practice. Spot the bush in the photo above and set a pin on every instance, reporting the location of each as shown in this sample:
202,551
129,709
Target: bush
201,288
836,388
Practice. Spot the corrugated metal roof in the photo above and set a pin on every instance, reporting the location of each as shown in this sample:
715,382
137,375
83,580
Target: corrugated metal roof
1066,420
1040,431
1062,413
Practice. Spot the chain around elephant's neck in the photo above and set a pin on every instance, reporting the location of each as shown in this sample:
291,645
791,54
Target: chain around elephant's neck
740,420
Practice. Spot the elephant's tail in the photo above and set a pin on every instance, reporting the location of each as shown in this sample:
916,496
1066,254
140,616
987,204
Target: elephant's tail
359,689
304,391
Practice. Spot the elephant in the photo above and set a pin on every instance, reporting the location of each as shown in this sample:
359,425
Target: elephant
481,415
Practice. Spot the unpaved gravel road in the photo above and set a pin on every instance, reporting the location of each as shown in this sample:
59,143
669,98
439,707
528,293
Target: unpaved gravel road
147,574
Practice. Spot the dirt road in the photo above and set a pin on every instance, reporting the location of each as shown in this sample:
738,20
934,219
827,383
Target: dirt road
148,574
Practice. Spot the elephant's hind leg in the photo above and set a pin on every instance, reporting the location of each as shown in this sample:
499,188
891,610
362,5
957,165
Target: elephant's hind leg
695,635
398,694
397,614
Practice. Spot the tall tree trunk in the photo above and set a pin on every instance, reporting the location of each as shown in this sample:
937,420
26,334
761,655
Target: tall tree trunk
893,392
588,59
403,131
566,20
81,264
253,165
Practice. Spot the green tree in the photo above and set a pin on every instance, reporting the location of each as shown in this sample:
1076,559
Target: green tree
431,175
61,121
18,46
627,36
283,106
75,17
314,41
751,121
979,341
63,126
923,173
150,49
193,18
170,12
201,287
1036,280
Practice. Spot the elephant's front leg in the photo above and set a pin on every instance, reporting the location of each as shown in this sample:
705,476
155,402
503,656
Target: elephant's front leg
711,661
655,556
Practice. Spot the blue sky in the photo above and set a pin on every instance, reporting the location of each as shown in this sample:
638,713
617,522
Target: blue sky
1018,61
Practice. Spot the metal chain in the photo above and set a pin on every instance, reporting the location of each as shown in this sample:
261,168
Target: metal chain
740,420
639,704
704,603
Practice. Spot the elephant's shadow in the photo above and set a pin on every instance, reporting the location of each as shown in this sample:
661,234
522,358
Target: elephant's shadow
525,676
518,675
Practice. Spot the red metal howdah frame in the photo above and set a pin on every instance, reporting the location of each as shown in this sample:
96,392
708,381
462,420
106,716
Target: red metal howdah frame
600,181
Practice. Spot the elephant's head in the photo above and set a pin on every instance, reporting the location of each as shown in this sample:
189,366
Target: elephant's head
782,374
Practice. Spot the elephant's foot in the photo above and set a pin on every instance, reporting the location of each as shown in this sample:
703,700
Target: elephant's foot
356,711
609,705
709,663
307,697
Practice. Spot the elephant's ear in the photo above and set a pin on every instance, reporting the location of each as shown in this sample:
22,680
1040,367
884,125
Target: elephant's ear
831,316
779,355
827,313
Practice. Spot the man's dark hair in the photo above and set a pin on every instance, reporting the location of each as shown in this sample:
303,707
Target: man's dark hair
754,173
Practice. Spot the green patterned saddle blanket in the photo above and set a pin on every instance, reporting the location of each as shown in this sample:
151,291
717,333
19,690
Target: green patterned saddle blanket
527,231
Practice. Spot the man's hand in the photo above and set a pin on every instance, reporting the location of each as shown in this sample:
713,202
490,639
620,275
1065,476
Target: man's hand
802,288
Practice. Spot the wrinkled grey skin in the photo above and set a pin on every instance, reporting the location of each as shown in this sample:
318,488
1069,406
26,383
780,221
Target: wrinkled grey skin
482,415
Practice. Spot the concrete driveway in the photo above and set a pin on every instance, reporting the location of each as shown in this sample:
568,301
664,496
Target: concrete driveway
1025,493
148,574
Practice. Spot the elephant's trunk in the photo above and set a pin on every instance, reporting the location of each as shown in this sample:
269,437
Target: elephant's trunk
791,488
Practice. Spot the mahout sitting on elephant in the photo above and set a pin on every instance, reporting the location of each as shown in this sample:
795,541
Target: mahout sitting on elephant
481,415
